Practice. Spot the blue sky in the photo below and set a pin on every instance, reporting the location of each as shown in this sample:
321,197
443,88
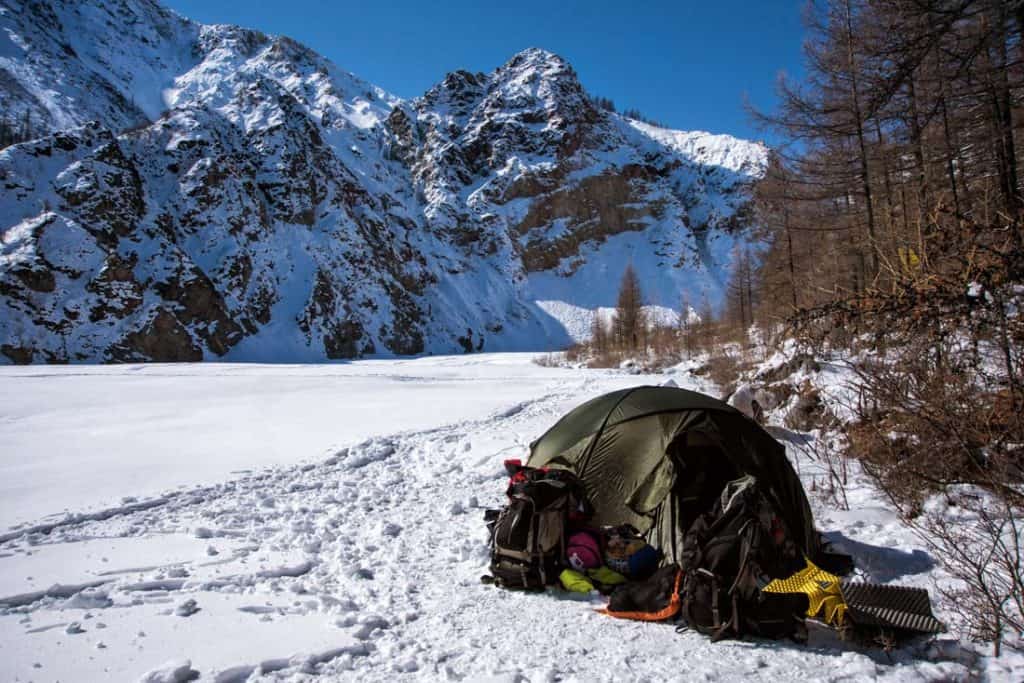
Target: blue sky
685,63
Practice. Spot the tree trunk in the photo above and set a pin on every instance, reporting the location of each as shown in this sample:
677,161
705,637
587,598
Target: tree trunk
861,143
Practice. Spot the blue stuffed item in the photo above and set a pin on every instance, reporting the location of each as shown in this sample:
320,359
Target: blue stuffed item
629,554
643,562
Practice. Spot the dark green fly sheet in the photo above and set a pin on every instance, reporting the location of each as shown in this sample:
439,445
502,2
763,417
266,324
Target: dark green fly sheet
654,457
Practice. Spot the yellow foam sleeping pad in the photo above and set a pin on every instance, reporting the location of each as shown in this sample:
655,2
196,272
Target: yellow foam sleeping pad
821,588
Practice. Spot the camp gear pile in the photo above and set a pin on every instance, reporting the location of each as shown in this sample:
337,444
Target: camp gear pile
681,508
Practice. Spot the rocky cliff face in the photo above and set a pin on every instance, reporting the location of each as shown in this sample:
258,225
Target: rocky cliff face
212,192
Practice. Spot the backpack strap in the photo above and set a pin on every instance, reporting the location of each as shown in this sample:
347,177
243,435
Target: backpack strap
733,623
717,619
743,569
563,554
535,553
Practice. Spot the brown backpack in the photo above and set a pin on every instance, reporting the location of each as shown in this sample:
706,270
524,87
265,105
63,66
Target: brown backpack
528,536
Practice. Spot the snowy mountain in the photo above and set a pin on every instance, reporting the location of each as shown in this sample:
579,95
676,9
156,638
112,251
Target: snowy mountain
208,192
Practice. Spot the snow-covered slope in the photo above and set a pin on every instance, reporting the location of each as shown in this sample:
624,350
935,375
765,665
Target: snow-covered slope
65,63
211,191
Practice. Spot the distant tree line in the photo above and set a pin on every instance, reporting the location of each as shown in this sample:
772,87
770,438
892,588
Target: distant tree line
15,129
608,105
632,333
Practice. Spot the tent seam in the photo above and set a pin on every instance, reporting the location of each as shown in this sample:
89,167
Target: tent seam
585,460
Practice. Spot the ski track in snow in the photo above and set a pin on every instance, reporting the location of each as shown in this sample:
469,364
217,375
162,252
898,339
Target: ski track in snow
368,564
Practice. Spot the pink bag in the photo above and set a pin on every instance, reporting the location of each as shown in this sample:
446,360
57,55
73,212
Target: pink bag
583,551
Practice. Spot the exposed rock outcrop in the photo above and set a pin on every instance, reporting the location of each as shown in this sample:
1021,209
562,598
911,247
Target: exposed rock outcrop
209,191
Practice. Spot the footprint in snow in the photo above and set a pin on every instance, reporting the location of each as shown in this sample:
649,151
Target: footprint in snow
187,608
390,529
370,626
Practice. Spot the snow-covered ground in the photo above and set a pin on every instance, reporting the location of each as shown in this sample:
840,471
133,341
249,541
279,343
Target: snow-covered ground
272,522
85,436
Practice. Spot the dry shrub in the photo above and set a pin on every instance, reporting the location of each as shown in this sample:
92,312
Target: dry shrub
981,546
946,448
574,353
925,423
723,369
548,360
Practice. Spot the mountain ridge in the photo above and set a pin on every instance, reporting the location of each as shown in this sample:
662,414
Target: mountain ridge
281,208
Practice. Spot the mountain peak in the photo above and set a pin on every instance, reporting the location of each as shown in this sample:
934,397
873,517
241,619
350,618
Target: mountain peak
536,62
539,85
536,56
525,73
259,203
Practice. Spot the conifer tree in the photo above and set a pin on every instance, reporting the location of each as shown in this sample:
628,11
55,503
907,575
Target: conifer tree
599,333
629,314
685,327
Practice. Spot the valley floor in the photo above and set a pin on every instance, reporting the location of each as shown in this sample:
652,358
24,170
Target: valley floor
266,522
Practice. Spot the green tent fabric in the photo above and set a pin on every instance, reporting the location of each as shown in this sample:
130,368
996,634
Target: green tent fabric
656,457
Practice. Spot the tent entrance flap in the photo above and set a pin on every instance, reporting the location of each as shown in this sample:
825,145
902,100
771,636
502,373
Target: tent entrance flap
703,470
693,467
652,491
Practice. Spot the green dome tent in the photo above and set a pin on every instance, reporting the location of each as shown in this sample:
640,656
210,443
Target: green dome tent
657,457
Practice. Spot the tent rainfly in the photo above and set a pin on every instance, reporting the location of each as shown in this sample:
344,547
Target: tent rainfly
658,457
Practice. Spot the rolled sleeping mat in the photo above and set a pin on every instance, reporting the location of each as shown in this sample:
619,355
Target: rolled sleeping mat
889,607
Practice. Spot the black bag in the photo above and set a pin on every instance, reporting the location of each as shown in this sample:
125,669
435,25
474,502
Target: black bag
655,599
528,536
730,553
